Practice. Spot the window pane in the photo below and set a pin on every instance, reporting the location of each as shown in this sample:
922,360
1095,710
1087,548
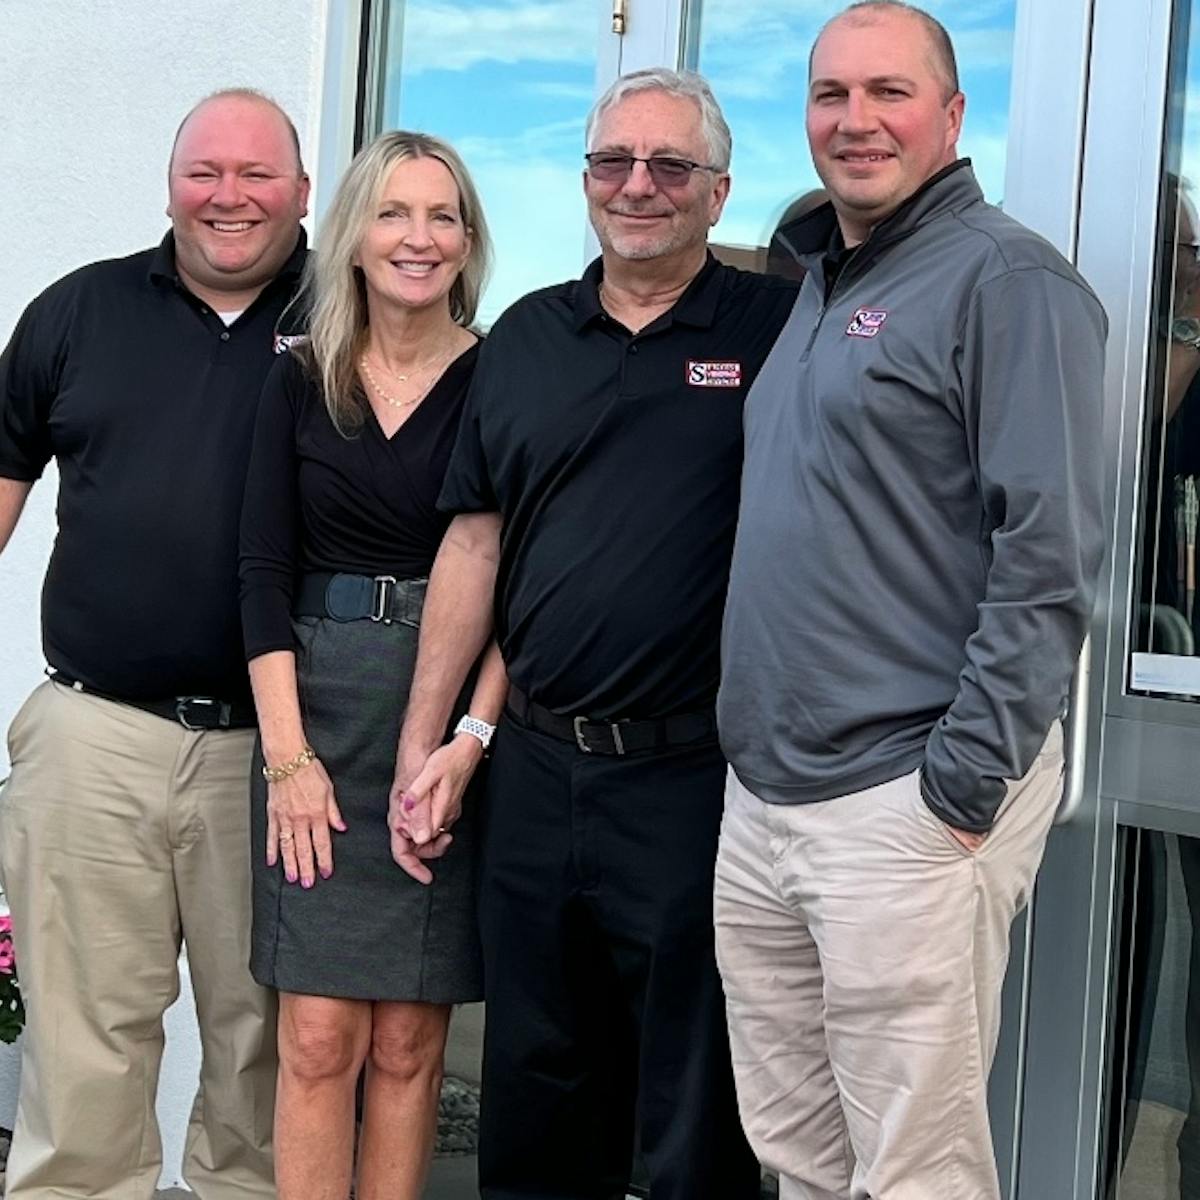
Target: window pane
755,54
1166,617
1152,1143
510,87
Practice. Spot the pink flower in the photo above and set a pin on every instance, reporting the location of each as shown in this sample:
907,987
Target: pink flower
5,925
6,958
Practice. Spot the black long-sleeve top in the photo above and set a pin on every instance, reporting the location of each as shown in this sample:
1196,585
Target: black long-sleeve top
318,501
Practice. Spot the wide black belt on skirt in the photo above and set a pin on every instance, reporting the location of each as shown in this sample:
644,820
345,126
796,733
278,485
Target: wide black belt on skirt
192,712
344,597
614,737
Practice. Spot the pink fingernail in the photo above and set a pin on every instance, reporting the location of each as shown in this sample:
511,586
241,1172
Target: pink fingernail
409,803
325,874
291,876
306,883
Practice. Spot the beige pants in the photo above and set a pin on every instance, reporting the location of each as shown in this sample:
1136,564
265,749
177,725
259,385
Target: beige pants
863,951
121,835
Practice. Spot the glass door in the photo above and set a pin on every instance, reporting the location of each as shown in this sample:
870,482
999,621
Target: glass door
1113,1051
1151,1117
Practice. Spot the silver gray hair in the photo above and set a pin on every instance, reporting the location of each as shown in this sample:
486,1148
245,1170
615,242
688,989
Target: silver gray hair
687,84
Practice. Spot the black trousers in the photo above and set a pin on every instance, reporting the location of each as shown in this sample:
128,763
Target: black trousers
605,1013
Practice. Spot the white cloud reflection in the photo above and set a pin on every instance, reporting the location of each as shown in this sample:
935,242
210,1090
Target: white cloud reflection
456,37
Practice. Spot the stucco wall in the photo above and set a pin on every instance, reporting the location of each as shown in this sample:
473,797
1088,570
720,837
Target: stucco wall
91,92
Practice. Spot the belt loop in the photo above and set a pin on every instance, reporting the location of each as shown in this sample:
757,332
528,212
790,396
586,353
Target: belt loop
414,600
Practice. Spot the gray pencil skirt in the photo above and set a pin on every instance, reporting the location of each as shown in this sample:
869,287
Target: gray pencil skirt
370,932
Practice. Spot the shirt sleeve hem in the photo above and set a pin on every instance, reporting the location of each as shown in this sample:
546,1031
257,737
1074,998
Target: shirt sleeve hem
20,474
258,649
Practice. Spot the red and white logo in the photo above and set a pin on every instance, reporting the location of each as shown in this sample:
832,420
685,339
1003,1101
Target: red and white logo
866,322
714,374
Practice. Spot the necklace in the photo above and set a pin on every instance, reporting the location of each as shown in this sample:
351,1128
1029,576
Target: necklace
413,371
386,397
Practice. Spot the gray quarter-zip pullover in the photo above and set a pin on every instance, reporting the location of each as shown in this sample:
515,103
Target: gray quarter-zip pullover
921,523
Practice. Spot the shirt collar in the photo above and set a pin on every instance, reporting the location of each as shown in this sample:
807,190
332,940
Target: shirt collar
163,269
817,234
697,306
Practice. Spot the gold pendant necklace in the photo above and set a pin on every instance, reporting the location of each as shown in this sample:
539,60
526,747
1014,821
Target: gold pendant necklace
385,396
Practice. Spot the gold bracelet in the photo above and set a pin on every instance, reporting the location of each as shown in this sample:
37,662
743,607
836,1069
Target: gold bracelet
287,769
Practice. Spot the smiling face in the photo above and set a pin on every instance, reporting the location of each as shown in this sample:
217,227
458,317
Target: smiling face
236,198
879,122
637,219
415,242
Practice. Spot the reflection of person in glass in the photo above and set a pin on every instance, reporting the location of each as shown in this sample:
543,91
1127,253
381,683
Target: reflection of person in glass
782,257
1169,624
1169,530
1180,469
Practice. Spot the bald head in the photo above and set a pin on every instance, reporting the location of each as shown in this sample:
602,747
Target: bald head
231,98
942,59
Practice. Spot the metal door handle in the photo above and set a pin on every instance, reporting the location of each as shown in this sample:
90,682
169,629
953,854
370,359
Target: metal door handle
1076,736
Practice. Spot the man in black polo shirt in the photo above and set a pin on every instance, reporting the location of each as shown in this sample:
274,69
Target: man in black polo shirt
595,483
125,823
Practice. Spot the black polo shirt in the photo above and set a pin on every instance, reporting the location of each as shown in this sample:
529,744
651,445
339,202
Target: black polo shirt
615,461
147,402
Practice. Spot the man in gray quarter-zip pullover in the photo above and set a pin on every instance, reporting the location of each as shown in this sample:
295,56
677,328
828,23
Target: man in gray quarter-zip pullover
915,566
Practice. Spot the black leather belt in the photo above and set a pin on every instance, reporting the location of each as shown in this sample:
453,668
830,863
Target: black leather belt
344,597
192,712
614,737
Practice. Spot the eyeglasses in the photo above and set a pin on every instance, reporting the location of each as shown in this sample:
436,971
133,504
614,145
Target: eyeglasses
667,172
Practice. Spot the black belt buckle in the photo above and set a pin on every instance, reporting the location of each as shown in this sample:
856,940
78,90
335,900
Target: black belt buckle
381,598
198,713
581,735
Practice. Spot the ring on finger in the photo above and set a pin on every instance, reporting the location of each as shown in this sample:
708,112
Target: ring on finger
286,837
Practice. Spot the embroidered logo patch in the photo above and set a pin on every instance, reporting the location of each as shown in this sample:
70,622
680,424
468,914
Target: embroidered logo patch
714,374
867,322
285,341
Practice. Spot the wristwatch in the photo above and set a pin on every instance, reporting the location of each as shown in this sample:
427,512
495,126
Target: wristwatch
476,728
1185,331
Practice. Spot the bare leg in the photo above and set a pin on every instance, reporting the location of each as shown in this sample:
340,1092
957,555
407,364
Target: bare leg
404,1079
323,1043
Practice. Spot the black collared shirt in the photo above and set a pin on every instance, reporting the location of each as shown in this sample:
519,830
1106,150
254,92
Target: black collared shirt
614,460
147,402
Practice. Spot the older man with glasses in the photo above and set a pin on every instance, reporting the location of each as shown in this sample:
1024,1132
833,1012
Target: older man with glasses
594,489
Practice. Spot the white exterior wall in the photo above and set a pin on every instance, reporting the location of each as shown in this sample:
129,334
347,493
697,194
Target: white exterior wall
91,92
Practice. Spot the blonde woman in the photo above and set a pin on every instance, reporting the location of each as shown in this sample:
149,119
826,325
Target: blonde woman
339,531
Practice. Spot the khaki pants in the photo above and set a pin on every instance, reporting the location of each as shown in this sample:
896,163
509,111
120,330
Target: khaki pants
122,835
863,951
